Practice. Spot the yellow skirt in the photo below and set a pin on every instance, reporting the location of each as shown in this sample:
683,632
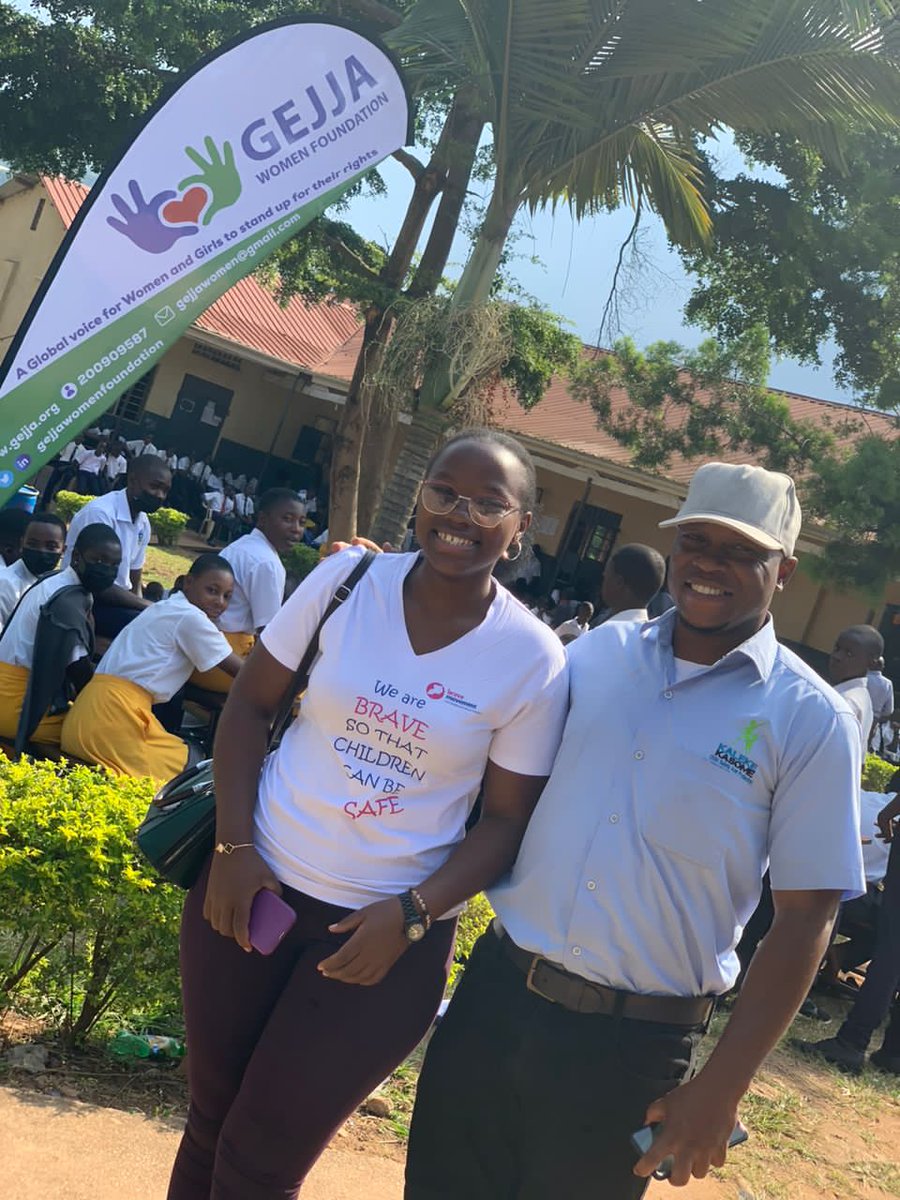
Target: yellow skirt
216,680
13,686
112,724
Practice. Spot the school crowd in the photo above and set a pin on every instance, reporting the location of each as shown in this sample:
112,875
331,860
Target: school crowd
63,591
620,786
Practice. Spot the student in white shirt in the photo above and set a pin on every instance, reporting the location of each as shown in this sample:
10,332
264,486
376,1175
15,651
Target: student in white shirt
432,680
65,468
89,470
579,624
116,465
42,546
851,659
184,462
633,576
259,577
13,523
197,470
94,562
147,485
112,721
881,689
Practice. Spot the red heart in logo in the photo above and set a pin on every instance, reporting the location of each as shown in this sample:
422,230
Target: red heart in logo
187,208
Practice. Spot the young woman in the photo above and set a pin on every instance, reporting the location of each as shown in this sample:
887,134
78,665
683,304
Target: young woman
259,576
431,679
112,722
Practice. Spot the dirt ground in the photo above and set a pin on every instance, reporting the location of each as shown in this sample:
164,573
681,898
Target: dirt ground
83,1131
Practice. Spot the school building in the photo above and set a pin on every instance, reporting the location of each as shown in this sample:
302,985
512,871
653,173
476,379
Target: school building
260,387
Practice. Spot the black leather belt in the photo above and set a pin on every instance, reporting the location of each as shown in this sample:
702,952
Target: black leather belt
554,983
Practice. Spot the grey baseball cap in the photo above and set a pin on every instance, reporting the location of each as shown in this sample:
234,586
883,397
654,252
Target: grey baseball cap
760,504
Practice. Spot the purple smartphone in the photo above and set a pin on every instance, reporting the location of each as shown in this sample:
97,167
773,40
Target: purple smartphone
270,920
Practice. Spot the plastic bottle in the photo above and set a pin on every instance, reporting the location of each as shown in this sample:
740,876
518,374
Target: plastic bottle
145,1045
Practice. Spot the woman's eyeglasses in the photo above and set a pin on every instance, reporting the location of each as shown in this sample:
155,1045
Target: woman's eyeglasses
441,500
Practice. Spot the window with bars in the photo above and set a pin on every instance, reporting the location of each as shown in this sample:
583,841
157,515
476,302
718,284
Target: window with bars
222,357
131,404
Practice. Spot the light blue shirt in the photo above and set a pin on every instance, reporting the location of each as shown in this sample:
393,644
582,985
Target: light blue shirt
668,800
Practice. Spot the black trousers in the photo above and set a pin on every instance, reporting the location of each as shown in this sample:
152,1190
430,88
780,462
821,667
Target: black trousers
878,994
520,1099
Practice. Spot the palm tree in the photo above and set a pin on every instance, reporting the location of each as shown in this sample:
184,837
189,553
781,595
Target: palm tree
600,103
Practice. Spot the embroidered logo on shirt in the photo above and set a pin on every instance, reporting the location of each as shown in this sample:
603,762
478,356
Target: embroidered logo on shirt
435,691
750,735
734,761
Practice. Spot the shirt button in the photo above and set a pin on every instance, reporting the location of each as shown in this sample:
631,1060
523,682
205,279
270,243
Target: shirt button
591,886
668,694
639,754
576,950
614,819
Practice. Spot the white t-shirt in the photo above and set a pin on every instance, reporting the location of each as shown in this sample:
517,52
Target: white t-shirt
116,465
14,582
856,693
571,629
112,509
371,787
876,853
92,462
162,647
17,643
198,468
259,578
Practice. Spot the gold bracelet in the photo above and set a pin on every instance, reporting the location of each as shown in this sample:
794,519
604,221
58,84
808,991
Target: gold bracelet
423,908
230,847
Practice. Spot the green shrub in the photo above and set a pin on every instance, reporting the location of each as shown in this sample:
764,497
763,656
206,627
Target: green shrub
85,928
167,524
300,560
68,503
472,924
877,773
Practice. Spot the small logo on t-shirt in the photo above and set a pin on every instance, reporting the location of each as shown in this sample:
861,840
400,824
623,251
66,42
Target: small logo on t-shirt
737,762
435,691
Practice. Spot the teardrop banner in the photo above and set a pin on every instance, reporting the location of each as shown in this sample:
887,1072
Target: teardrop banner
257,141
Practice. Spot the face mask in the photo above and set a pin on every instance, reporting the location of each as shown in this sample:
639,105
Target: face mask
39,562
97,577
146,503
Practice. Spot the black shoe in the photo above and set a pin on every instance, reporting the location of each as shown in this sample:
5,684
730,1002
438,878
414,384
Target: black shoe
815,1012
888,1063
836,1052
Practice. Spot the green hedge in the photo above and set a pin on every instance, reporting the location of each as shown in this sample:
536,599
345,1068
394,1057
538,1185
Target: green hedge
877,773
68,503
86,930
300,560
167,524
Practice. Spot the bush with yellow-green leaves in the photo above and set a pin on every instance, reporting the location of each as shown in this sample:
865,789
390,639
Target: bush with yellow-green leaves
87,930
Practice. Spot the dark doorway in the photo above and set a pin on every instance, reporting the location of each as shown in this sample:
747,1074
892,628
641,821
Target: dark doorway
587,543
198,415
890,631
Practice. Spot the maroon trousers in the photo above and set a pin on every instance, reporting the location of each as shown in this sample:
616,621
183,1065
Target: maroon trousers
278,1056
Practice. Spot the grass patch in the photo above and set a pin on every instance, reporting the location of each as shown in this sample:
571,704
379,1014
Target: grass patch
165,565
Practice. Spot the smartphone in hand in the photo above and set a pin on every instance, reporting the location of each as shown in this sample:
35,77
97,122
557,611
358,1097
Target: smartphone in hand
270,919
644,1139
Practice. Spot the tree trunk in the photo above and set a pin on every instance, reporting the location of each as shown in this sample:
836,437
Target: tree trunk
430,419
343,509
384,417
422,437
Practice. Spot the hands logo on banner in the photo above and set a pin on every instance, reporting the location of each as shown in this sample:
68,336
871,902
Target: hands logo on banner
155,225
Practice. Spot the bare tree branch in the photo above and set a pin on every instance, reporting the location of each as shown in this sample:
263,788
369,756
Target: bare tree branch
414,165
353,260
611,298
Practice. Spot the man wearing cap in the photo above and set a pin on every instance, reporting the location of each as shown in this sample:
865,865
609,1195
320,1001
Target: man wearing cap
697,752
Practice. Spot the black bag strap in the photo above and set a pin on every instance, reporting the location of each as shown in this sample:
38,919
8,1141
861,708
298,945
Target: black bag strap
301,676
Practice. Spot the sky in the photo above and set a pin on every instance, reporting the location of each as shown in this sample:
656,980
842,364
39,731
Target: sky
568,266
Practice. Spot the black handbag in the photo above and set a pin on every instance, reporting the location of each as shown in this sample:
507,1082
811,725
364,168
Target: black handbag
177,834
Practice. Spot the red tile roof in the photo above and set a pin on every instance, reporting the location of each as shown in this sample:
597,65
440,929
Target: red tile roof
248,314
561,420
326,339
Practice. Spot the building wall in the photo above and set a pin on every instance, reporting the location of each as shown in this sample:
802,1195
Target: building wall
25,253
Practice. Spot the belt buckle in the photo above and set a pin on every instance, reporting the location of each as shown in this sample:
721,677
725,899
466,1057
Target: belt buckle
530,985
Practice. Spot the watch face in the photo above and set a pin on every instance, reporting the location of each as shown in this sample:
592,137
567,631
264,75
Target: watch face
415,932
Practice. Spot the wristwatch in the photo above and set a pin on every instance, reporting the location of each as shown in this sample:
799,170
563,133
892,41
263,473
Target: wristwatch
413,924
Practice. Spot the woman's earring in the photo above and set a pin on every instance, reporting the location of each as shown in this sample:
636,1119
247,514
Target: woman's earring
514,557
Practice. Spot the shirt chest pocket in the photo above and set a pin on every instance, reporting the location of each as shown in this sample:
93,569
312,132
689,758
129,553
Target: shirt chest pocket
705,809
